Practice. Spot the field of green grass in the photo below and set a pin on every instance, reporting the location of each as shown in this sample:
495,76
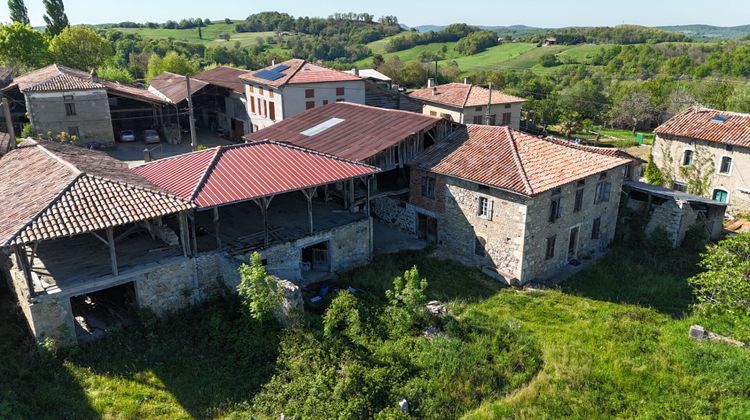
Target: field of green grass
612,341
210,34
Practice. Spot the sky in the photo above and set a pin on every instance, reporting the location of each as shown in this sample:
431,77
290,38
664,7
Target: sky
540,13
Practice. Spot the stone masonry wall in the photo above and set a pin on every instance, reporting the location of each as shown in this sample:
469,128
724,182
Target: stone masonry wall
539,228
92,118
396,213
436,204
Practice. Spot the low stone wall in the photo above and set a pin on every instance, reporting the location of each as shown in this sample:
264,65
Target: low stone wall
396,213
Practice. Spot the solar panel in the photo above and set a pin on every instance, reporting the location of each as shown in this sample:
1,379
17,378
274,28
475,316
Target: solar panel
280,68
268,75
720,118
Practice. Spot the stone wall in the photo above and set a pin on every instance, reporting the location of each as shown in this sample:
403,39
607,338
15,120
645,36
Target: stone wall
92,118
436,204
539,228
396,213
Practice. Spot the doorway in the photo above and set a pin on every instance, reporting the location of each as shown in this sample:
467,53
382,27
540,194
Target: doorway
427,228
238,129
94,313
573,244
316,258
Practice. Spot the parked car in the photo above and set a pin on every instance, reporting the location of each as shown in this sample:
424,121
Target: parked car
151,136
127,136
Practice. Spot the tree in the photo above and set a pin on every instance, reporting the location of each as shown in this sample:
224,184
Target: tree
259,292
55,18
18,12
725,285
171,62
22,47
80,48
115,74
632,108
406,302
654,175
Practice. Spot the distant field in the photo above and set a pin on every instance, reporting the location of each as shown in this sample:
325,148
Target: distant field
210,34
411,53
494,57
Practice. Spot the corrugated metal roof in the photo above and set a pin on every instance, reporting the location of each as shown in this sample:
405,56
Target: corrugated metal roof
173,87
511,160
365,131
705,124
370,74
50,190
461,95
223,76
231,174
667,193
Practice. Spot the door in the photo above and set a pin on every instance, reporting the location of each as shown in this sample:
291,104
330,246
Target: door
427,228
573,244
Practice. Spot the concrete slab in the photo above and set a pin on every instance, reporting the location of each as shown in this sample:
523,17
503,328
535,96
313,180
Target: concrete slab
388,239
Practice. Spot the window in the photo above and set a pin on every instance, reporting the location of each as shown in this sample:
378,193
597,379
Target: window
260,107
340,100
73,131
478,108
340,91
506,118
581,182
270,93
626,172
603,191
596,229
579,201
260,91
309,93
687,157
433,114
550,252
479,246
507,106
555,209
70,107
265,108
272,111
679,186
721,196
428,187
250,88
478,119
726,165
309,104
252,106
484,209
492,120
325,101
603,175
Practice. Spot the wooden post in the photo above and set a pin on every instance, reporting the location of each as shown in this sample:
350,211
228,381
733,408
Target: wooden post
309,196
193,235
367,202
23,262
112,251
351,193
264,203
184,237
216,228
9,123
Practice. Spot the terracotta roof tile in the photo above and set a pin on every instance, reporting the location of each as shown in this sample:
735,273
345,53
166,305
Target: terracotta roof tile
703,124
49,190
300,72
511,160
461,95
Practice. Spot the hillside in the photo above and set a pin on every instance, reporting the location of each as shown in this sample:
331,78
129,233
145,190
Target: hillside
710,32
210,34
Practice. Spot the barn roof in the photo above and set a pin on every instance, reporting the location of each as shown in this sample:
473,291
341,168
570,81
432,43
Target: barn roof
232,174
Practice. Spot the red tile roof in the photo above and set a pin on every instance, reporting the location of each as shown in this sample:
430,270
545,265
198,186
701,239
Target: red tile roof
173,87
364,132
699,123
49,190
461,95
232,174
223,76
301,72
511,160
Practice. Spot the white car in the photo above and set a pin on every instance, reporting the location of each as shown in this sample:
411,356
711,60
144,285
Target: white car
127,136
151,136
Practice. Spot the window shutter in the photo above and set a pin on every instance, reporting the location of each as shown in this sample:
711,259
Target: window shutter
490,206
479,206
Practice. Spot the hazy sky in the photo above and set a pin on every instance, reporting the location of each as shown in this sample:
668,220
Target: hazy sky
544,13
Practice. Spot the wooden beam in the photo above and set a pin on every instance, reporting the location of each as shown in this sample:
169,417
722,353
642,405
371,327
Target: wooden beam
309,193
126,233
193,235
216,228
264,203
367,202
95,235
23,262
184,236
112,251
33,254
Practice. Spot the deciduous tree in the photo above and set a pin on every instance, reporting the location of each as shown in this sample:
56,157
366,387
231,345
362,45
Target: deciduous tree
80,48
55,18
23,48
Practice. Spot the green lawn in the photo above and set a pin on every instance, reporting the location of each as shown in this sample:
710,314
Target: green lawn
210,34
610,342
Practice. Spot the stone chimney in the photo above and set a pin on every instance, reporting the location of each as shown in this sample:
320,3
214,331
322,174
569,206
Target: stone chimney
434,91
430,83
355,71
94,76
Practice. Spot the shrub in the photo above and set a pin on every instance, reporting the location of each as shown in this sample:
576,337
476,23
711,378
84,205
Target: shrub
259,292
725,285
695,239
654,175
406,302
28,131
659,242
549,60
342,315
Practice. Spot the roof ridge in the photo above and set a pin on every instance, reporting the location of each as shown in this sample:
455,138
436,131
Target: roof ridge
395,111
158,190
315,152
468,93
294,73
209,168
54,156
519,163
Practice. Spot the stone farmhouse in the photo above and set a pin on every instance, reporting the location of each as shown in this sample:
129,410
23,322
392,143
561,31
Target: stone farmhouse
468,104
60,99
518,206
701,142
80,227
286,89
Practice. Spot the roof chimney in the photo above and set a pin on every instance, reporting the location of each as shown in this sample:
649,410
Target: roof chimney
94,76
434,91
273,61
430,83
466,80
355,71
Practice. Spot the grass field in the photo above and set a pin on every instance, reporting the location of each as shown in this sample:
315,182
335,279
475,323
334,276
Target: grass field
210,34
613,341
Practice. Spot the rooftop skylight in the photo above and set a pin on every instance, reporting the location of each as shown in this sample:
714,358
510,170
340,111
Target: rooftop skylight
322,127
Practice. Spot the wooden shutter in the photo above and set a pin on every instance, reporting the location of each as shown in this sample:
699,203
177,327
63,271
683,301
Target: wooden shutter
272,110
490,208
252,105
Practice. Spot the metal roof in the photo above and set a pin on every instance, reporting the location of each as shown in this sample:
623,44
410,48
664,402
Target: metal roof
711,125
670,194
364,132
370,74
232,174
223,76
173,87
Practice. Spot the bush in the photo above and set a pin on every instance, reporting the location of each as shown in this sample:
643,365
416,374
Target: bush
342,315
407,302
28,131
725,285
259,292
549,60
695,239
654,175
659,242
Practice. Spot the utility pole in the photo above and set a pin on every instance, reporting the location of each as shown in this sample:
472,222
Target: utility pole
436,70
193,137
489,108
9,124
